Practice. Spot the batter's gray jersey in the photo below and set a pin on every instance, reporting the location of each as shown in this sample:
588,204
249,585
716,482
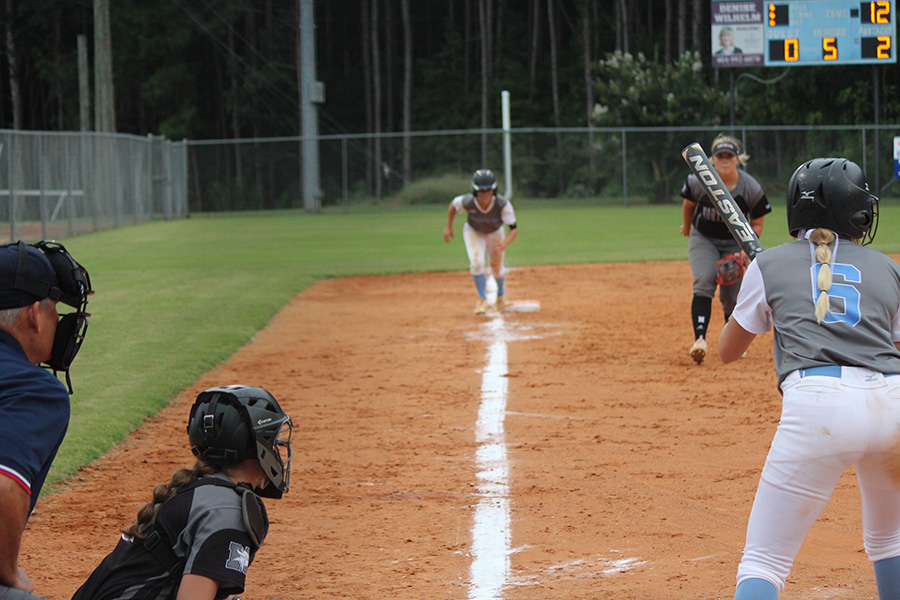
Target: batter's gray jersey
779,290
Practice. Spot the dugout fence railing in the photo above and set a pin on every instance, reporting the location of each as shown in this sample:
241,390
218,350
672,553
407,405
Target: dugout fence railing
614,166
59,184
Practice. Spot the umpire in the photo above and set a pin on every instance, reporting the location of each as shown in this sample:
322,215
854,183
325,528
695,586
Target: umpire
34,404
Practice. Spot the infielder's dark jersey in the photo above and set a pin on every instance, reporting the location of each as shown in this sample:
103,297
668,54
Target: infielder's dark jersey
207,526
34,416
485,221
747,193
779,289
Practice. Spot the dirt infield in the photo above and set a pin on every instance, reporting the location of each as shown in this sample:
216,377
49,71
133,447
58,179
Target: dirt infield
631,470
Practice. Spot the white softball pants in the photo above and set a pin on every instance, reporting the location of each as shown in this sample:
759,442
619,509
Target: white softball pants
827,424
481,247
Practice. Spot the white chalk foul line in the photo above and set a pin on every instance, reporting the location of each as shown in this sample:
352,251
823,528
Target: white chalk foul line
491,529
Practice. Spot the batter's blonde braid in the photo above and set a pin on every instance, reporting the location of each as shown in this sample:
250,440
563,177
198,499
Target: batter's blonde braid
146,515
821,238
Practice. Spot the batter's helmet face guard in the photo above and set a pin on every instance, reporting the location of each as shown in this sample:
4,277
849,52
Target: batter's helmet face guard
66,281
832,193
233,423
483,180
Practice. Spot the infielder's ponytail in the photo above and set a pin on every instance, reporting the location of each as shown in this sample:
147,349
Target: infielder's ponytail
821,238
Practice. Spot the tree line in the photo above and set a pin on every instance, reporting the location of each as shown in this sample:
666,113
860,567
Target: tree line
220,69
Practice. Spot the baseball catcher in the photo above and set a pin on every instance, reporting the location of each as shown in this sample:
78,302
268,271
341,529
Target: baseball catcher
200,532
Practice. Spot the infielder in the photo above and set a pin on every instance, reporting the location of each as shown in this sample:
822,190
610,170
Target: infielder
835,308
195,539
483,233
709,239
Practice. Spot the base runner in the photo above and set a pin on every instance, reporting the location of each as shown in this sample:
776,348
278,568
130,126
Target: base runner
483,234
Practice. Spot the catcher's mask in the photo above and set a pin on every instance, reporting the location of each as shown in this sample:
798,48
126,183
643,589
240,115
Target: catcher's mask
47,270
232,423
832,193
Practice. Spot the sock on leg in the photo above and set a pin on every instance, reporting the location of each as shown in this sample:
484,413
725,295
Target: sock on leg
500,282
887,578
480,284
755,589
701,309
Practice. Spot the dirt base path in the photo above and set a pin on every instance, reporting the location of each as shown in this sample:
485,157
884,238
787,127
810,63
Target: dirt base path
629,470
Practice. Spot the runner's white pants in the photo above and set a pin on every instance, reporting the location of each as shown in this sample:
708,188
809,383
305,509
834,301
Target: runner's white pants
479,246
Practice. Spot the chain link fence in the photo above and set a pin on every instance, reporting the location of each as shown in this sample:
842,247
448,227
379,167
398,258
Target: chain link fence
57,184
614,166
54,185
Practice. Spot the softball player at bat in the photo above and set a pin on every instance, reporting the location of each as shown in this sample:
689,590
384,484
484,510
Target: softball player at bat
709,239
835,309
483,233
195,539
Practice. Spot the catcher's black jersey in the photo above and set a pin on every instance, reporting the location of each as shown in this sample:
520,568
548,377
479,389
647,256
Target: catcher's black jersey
207,526
747,193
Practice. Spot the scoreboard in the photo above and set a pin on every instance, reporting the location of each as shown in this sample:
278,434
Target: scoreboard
803,32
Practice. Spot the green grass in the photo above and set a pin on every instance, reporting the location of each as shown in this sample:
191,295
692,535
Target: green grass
174,299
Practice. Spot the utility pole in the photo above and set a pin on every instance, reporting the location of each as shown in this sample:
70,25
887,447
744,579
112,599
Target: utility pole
312,92
105,113
84,90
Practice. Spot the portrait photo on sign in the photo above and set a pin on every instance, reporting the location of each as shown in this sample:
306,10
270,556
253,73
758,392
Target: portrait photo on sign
737,39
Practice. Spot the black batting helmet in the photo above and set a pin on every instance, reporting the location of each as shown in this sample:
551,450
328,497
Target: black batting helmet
232,423
483,179
832,193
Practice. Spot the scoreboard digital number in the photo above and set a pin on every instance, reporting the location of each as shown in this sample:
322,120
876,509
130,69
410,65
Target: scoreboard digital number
829,32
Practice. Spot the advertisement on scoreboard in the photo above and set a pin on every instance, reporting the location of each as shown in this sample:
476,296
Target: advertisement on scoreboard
790,33
737,34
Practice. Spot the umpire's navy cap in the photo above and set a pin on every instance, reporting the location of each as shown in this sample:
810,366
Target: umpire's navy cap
37,269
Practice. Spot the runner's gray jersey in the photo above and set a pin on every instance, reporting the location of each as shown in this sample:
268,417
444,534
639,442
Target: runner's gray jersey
859,330
486,221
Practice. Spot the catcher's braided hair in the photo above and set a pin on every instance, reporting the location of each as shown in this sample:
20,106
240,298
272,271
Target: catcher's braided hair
821,238
146,515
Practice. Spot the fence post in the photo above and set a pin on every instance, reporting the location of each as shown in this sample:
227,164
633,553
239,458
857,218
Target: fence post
42,185
12,190
507,144
624,169
167,164
344,173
